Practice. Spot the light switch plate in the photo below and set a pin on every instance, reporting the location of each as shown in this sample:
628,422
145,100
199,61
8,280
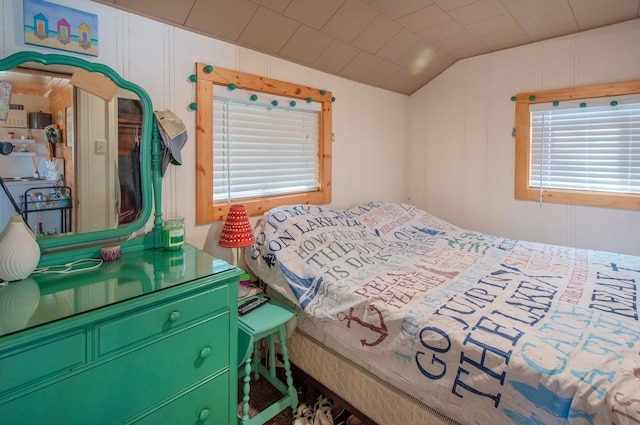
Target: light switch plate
100,147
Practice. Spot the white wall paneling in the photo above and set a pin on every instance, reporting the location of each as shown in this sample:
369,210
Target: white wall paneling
462,122
370,124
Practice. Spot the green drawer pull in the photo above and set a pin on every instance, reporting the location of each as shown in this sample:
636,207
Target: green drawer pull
174,316
204,414
204,353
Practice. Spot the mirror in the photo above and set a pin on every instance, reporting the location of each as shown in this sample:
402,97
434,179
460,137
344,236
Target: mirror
80,169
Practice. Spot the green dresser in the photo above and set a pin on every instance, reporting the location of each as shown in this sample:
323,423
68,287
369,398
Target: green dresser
150,338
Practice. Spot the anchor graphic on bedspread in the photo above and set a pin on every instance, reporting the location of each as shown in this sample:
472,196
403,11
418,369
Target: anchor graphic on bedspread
380,329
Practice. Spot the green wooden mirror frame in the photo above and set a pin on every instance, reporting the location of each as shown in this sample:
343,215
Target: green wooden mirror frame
87,245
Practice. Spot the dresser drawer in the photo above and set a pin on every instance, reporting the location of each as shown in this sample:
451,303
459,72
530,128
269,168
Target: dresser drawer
159,320
123,387
47,358
204,405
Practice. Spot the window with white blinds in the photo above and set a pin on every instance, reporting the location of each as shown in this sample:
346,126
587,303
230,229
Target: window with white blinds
263,150
589,144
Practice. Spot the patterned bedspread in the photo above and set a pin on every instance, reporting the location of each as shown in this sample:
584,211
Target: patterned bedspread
485,329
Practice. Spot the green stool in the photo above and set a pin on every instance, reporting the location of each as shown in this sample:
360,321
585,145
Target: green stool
265,322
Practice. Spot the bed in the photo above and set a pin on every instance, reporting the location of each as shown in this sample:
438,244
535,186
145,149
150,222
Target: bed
463,326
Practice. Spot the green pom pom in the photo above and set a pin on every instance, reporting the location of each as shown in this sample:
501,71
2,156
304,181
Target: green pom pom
232,86
556,103
208,69
274,103
193,78
292,103
309,100
333,99
193,106
513,98
583,105
323,92
614,103
254,97
532,98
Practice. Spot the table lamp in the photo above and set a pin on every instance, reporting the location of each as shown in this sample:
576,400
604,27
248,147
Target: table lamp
237,233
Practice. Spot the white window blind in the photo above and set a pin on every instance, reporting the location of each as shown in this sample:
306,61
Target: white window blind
262,150
595,147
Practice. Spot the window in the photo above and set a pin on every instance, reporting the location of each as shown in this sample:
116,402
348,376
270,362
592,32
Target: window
580,146
260,142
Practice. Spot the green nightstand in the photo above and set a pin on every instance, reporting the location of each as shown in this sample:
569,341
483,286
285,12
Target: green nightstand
266,321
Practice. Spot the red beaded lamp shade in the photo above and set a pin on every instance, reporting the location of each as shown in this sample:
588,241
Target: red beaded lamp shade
237,231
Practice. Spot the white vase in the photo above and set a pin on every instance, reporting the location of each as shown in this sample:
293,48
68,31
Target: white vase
19,251
18,301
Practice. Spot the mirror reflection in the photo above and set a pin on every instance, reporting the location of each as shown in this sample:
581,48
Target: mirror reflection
70,152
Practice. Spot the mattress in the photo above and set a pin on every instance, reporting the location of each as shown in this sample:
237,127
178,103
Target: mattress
382,403
484,329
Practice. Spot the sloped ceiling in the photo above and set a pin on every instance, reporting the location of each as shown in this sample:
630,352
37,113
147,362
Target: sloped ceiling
398,45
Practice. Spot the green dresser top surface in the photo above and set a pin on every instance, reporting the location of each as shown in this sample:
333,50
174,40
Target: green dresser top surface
47,297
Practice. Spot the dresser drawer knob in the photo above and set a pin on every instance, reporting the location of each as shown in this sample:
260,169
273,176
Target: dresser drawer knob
204,353
204,414
174,316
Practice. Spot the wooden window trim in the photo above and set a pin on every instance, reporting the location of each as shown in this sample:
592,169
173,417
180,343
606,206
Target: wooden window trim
522,158
208,211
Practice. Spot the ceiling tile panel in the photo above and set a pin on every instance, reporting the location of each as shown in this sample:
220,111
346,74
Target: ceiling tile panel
278,6
524,8
166,10
497,24
360,66
579,6
398,46
463,46
268,31
424,18
438,62
305,45
224,19
394,44
403,82
478,11
547,20
380,73
377,34
395,9
606,15
350,20
442,32
449,5
553,31
312,12
416,59
504,39
335,57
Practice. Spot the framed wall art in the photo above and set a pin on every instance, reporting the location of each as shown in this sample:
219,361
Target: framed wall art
60,27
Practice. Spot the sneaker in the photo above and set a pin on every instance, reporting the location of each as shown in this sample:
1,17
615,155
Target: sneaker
303,416
322,411
341,416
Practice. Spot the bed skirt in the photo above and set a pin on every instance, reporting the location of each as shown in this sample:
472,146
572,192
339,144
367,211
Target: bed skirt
376,399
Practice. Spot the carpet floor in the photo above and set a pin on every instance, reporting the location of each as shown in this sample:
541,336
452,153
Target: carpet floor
263,394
